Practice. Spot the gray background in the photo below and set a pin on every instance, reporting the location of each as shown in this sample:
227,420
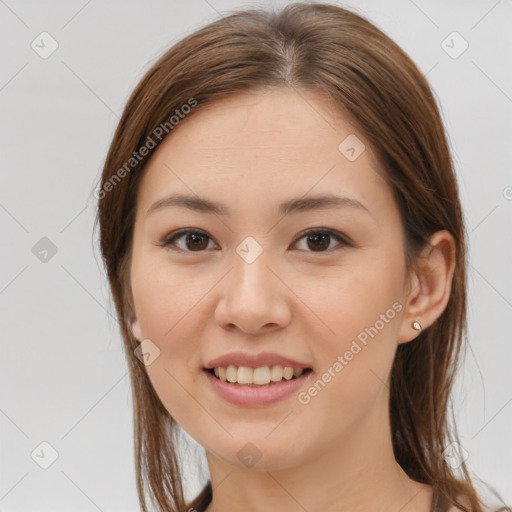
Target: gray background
63,376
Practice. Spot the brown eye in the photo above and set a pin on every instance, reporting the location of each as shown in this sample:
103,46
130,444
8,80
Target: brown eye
194,241
320,240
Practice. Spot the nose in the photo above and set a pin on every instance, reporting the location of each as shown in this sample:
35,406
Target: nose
253,298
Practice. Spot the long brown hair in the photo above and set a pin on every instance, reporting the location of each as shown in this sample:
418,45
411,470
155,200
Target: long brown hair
315,47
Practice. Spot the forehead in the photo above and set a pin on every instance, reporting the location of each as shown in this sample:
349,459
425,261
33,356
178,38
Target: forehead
277,118
264,145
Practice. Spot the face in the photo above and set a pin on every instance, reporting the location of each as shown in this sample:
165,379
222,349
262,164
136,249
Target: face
320,284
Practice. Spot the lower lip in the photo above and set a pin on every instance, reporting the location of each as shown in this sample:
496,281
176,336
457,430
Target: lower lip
256,396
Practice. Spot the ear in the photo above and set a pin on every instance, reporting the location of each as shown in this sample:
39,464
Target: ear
136,330
429,285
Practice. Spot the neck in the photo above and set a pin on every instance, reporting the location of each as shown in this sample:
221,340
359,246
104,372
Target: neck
354,476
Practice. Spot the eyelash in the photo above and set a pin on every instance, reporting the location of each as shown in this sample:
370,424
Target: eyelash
172,237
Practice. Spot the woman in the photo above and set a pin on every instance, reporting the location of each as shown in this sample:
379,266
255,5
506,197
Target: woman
283,237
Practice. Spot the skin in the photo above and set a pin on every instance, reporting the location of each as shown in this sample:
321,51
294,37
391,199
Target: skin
250,152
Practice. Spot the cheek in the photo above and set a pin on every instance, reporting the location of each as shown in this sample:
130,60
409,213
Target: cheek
174,372
165,299
357,338
168,306
353,301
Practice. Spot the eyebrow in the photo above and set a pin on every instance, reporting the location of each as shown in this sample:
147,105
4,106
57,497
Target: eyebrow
295,205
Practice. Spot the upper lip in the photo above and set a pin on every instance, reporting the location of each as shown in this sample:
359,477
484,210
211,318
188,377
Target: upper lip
254,360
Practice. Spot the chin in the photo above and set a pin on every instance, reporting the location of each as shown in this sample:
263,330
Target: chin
256,453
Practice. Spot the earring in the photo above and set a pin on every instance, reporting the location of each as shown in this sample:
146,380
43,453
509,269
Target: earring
416,325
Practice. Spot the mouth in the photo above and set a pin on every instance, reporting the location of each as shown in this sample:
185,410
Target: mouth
260,377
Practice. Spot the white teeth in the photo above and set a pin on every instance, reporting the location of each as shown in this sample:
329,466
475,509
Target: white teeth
260,376
287,372
276,373
231,373
244,375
